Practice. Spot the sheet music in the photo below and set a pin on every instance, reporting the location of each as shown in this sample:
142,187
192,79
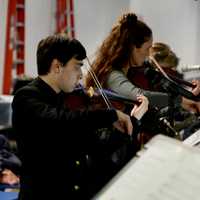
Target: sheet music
167,170
193,140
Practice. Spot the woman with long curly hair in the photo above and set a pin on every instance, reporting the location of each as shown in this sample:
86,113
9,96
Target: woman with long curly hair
127,46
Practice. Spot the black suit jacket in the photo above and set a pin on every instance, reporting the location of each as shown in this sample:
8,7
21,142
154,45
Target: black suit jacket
54,142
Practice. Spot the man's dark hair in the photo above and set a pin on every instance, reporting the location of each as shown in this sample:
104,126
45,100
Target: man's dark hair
59,47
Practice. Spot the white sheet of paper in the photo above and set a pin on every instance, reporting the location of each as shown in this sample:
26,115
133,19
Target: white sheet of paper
167,170
193,139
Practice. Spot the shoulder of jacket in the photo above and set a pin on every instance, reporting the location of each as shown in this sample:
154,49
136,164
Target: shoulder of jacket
28,89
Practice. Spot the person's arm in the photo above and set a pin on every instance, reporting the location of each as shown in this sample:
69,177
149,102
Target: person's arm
118,82
28,103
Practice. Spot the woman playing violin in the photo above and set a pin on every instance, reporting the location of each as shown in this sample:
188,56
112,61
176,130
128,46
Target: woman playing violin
127,46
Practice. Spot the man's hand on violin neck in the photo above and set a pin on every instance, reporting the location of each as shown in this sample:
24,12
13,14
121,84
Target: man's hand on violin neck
123,123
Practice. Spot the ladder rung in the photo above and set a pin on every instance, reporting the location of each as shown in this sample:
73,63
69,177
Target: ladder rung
70,28
20,6
19,43
18,61
69,12
19,24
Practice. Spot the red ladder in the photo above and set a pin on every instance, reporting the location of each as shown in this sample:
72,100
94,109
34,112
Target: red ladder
14,49
65,17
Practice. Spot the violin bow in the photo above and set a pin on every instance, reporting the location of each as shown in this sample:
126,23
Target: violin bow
97,83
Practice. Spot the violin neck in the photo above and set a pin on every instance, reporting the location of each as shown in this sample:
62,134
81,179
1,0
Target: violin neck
116,97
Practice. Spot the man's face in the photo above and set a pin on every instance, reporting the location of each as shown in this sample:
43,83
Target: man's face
70,75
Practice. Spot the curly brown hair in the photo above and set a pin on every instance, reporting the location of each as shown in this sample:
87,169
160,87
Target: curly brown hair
116,50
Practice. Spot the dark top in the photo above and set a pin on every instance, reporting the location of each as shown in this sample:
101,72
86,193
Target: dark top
52,142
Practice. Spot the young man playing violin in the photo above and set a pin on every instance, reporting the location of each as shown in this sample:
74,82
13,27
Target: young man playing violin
53,141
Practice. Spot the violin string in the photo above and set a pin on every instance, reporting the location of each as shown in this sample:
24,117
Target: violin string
97,83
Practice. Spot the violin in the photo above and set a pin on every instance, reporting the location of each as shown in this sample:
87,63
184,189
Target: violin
139,76
151,76
172,74
81,98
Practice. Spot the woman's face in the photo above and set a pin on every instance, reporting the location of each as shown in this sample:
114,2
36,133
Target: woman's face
141,53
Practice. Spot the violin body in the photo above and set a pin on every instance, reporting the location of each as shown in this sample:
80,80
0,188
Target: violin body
77,100
81,99
137,76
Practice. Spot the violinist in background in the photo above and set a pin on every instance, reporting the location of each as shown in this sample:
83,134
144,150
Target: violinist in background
167,59
185,116
169,62
51,137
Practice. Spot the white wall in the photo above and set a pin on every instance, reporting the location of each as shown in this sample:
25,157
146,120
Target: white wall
176,22
39,23
197,46
94,20
3,13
